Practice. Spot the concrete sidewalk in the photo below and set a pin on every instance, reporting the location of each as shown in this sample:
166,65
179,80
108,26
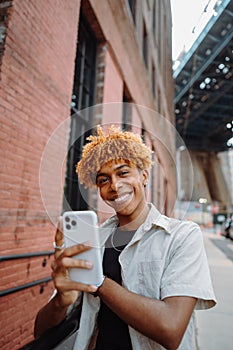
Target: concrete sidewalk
215,326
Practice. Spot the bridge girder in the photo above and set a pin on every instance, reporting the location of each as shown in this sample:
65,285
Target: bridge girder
204,86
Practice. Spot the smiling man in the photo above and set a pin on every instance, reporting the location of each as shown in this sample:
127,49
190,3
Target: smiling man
156,268
121,186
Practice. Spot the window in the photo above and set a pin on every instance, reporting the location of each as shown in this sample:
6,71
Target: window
83,89
83,97
153,79
152,178
5,8
132,6
143,133
145,45
154,17
126,114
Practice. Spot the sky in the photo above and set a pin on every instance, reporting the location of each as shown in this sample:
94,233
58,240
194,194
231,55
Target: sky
188,16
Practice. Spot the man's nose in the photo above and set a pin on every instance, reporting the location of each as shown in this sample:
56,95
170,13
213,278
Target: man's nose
115,183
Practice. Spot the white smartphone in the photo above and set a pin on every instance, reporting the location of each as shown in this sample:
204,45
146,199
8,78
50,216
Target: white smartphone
79,227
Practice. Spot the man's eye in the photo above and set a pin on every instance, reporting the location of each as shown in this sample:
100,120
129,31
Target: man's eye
124,172
102,181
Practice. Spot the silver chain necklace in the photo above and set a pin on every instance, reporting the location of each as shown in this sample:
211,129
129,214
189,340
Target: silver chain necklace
112,239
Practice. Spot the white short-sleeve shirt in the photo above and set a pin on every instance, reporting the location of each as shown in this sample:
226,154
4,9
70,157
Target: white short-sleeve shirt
166,257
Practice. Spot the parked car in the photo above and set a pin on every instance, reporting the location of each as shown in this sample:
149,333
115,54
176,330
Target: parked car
231,230
228,229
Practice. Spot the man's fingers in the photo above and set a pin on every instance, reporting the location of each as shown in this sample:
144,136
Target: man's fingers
78,263
69,285
71,251
59,238
77,249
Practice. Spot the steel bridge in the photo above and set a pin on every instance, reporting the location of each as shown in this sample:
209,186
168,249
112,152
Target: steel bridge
204,110
204,86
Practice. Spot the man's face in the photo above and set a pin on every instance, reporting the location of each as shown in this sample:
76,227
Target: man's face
121,186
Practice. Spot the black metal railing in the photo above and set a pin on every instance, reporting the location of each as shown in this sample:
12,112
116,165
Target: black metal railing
25,255
41,281
25,286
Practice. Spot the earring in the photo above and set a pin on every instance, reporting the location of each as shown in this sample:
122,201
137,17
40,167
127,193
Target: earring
145,184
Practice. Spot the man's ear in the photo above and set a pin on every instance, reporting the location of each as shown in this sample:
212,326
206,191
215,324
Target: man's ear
145,177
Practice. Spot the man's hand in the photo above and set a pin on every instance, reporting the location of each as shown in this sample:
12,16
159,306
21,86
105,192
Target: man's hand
67,290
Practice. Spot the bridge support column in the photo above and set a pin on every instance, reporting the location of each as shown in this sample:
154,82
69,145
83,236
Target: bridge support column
208,179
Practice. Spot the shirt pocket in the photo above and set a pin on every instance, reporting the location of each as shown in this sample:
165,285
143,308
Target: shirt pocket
149,276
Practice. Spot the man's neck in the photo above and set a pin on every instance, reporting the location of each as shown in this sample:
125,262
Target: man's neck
129,223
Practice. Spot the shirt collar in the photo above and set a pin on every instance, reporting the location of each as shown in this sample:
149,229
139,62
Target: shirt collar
154,218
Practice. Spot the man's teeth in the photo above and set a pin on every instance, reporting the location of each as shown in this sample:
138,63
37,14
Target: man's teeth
122,198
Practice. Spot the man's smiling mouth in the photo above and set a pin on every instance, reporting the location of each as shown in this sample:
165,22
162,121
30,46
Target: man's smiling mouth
121,198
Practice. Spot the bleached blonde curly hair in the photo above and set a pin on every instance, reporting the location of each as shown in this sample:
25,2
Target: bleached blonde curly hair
115,145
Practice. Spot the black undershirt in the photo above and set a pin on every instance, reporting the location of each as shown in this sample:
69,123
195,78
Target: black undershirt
113,332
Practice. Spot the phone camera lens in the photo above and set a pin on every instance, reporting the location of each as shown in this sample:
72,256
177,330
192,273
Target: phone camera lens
73,222
68,226
67,219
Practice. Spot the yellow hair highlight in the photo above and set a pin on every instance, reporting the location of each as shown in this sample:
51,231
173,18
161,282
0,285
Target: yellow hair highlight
115,145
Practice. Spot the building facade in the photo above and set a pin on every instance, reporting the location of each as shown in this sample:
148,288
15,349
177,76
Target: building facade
57,60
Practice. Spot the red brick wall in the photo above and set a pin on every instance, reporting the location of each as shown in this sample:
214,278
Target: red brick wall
112,92
37,80
125,49
111,113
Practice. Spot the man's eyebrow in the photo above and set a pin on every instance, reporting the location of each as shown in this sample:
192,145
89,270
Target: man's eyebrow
118,167
121,166
100,174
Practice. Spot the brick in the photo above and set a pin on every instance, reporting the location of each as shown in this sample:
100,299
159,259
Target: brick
35,98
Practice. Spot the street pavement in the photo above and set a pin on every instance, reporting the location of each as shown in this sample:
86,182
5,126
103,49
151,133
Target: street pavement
215,326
